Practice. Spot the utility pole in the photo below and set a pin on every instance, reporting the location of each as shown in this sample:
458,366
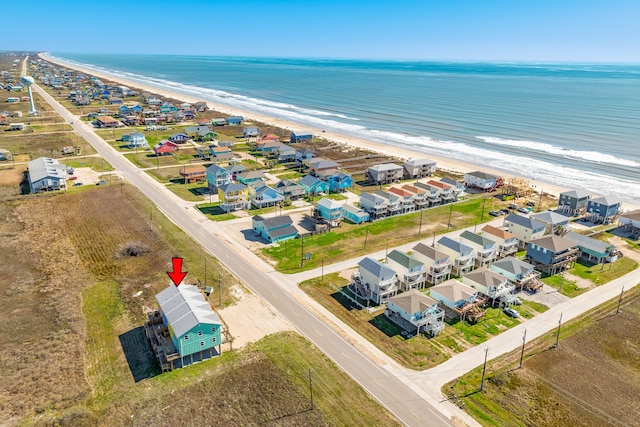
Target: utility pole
205,272
484,200
311,389
220,289
524,338
322,271
420,227
302,252
540,201
450,212
484,368
620,300
365,238
558,333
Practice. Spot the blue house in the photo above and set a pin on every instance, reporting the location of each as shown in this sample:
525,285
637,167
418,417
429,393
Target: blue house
304,154
217,176
330,210
301,137
355,214
194,328
264,196
603,209
250,177
313,185
234,120
135,140
520,273
551,254
179,138
275,229
339,182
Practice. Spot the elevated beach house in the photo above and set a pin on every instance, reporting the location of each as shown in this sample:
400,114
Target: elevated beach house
376,206
355,214
432,193
301,136
330,211
524,228
179,138
490,284
339,182
447,193
274,229
630,222
603,209
593,250
250,132
485,250
461,300
394,202
263,196
386,173
165,147
554,222
420,196
375,281
217,176
437,266
46,174
482,181
462,256
507,242
574,202
313,186
320,167
291,190
233,197
551,254
135,140
410,270
418,168
522,274
250,177
416,313
194,173
193,328
407,202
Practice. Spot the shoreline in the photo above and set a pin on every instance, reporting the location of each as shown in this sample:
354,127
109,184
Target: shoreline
444,163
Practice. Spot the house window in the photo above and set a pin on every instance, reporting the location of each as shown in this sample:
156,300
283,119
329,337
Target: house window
186,337
213,329
201,343
213,340
199,333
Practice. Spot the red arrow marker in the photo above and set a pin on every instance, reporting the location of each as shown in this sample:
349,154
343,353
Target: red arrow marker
176,275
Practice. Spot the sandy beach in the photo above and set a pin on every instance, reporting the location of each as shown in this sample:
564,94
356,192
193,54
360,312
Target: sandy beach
448,164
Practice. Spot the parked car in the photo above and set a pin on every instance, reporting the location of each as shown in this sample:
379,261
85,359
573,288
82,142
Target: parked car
72,178
495,213
523,210
512,206
77,184
505,211
101,182
530,203
511,312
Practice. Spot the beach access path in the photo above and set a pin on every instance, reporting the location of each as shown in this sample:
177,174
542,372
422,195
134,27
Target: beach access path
414,397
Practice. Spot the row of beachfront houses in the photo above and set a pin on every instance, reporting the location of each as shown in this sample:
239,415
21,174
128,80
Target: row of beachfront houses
580,202
427,266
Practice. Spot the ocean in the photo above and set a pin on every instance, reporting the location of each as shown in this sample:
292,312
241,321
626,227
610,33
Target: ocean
574,125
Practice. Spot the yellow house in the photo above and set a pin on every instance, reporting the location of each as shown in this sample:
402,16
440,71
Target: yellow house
233,196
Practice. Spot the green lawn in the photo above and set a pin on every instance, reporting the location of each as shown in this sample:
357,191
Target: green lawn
214,212
351,240
600,274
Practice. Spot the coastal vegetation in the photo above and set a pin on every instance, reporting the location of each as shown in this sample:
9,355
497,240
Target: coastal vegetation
80,304
551,387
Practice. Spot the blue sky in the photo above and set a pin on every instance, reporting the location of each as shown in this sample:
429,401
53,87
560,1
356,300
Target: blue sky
541,30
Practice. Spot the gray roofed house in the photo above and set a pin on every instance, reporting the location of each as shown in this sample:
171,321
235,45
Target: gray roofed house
551,253
436,263
46,174
375,281
274,229
555,222
410,270
385,173
461,255
290,189
524,228
375,205
603,209
481,180
574,202
419,168
457,296
593,250
519,272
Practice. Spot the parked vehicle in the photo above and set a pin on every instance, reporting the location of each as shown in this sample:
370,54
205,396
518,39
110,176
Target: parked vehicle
77,184
495,213
530,203
101,182
72,178
523,210
511,312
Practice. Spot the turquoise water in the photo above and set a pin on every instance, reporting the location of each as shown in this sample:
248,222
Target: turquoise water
576,125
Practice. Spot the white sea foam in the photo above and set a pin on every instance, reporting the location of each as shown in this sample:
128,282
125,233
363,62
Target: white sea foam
590,156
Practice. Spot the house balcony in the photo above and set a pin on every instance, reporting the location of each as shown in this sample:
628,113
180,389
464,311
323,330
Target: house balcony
414,280
508,248
501,291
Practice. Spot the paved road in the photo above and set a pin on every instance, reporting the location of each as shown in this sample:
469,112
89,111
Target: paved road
405,402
